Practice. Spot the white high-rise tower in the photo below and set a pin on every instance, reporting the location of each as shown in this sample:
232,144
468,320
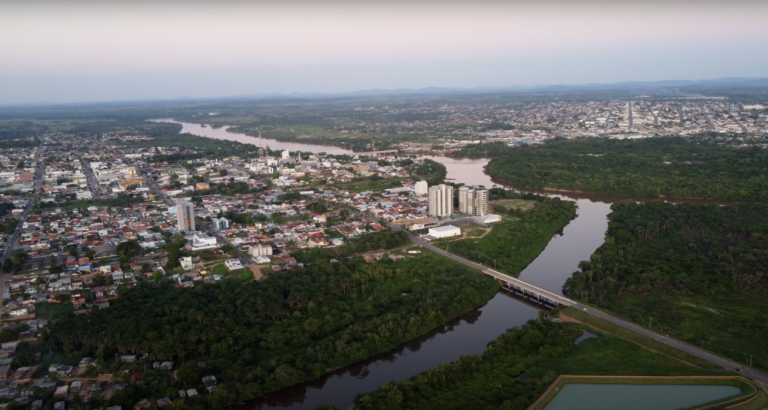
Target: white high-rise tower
441,200
185,215
473,200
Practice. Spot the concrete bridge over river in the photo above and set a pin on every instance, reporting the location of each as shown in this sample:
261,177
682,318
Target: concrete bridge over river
527,290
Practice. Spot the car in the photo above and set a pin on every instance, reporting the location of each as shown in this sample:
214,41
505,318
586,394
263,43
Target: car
584,309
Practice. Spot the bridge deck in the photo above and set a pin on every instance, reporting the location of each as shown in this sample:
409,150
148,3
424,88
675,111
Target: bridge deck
525,286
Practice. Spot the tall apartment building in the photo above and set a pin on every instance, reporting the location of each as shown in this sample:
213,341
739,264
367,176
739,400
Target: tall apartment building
421,188
473,200
441,200
185,215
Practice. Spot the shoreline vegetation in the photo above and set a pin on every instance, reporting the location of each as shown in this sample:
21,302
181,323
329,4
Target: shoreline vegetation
695,272
653,167
286,329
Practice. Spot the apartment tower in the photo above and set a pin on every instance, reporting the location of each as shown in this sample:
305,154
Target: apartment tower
441,200
185,215
473,200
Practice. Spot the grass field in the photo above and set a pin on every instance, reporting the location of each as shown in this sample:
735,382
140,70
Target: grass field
523,204
637,338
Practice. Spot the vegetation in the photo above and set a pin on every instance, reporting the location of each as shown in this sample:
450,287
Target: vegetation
696,272
648,167
516,368
515,242
292,327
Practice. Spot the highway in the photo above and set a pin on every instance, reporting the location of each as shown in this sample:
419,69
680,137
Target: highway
758,376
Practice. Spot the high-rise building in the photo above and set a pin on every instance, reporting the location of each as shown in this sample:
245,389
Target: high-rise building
185,215
441,200
473,200
421,188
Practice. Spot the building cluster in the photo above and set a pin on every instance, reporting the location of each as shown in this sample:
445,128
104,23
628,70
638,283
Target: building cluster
449,127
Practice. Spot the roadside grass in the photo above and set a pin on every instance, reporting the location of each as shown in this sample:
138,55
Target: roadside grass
636,337
759,403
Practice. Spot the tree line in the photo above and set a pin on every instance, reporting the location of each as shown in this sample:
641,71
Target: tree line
694,271
649,167
292,327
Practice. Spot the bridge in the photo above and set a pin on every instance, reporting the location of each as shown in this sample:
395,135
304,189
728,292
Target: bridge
522,288
529,291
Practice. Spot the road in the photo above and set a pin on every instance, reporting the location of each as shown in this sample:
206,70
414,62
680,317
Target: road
11,242
758,376
93,184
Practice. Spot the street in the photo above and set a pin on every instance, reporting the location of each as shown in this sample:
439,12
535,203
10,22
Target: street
11,242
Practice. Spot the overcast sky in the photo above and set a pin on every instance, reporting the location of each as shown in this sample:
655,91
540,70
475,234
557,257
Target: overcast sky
68,51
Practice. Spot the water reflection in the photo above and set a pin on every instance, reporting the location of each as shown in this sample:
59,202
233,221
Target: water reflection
222,134
468,334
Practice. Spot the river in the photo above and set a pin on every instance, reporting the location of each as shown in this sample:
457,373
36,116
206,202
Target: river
468,334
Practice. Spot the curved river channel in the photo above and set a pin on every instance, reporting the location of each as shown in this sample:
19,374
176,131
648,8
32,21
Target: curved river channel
468,334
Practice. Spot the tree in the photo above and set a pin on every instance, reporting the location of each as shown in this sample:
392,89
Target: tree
189,373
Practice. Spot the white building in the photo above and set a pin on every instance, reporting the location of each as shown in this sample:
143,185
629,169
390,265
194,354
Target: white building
260,250
185,215
473,200
220,223
441,200
201,241
186,263
421,188
444,231
233,264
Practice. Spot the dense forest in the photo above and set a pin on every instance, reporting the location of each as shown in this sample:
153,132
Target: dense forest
647,167
259,337
515,242
518,366
697,272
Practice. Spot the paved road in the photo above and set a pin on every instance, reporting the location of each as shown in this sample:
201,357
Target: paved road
93,183
11,242
758,376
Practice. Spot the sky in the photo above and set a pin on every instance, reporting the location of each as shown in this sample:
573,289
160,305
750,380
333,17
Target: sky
110,50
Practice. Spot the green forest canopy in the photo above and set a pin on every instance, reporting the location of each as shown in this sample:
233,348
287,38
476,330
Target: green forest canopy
648,167
259,337
698,270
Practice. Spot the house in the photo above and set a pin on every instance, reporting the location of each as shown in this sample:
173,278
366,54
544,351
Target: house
186,263
233,264
128,358
85,362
